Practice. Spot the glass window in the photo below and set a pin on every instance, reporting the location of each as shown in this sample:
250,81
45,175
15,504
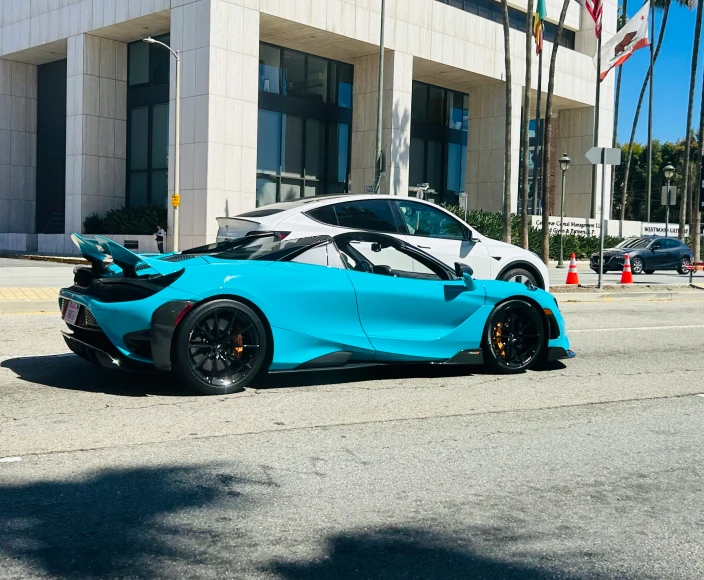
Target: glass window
267,188
454,172
269,65
436,102
160,185
317,88
434,165
138,188
315,149
139,139
419,103
374,215
160,61
325,214
422,220
268,142
345,75
456,110
139,63
293,74
416,170
290,189
317,256
292,149
338,152
160,136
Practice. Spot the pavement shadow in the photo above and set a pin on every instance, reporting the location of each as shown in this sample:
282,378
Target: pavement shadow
118,523
73,373
361,374
405,553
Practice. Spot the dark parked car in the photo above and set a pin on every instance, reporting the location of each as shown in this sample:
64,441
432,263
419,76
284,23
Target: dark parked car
647,254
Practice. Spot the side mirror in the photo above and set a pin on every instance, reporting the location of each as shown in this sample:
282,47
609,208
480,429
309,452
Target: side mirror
376,247
464,272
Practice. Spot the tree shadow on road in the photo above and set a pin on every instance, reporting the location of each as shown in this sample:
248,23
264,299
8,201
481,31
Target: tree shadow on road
122,523
405,553
73,373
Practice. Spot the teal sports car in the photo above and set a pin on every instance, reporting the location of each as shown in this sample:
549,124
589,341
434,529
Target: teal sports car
219,315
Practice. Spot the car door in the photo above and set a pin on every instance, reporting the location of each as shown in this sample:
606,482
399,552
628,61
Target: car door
656,256
443,236
673,252
414,318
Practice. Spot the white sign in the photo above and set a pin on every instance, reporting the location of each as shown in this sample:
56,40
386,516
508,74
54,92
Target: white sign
673,195
605,155
571,226
653,229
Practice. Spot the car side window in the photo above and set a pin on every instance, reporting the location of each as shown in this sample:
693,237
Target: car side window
374,215
317,256
325,214
670,244
422,220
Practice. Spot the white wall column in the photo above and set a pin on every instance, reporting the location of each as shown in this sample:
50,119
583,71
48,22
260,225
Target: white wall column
96,117
396,123
486,146
219,44
18,146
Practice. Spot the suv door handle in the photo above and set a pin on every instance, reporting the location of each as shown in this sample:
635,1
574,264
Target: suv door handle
424,247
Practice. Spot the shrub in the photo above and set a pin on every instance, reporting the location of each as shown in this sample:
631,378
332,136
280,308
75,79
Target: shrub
134,221
93,224
490,224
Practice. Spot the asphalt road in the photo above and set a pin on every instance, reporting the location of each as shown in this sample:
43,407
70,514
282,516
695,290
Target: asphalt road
589,470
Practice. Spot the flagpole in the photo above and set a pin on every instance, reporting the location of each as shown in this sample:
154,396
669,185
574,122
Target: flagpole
649,182
538,136
596,123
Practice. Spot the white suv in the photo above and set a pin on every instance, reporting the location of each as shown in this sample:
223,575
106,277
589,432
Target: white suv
422,224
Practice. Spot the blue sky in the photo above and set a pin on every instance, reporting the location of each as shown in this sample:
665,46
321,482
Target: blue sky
671,80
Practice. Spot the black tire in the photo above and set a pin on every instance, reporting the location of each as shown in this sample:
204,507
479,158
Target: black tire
521,276
682,268
649,272
220,347
514,337
637,266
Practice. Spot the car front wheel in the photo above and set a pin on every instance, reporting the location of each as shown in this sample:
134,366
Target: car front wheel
519,275
683,267
219,347
514,337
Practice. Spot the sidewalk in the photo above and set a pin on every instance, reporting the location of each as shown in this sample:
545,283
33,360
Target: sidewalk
24,300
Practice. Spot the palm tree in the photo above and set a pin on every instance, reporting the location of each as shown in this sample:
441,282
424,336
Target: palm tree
665,5
688,132
696,206
525,125
547,158
507,138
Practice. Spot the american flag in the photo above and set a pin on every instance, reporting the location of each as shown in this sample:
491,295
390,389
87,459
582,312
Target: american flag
595,9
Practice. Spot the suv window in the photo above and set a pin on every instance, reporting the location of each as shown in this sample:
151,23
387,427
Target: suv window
374,215
421,220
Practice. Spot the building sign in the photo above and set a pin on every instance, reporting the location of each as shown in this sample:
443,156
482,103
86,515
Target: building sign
589,227
571,226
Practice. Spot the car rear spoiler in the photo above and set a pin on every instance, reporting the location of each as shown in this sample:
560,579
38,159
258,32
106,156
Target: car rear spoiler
97,250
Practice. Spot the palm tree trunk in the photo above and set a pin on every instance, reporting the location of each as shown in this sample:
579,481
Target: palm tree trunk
614,142
666,11
696,206
507,138
525,127
688,133
547,157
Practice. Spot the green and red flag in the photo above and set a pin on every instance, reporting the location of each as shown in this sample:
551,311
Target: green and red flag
540,15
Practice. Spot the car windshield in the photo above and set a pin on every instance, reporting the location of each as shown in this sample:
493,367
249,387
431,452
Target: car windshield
268,247
634,243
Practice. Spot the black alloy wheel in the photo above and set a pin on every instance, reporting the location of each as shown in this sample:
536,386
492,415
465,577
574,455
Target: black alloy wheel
220,347
514,337
683,267
637,265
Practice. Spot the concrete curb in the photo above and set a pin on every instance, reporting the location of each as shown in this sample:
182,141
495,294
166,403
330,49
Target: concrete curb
38,258
689,296
28,306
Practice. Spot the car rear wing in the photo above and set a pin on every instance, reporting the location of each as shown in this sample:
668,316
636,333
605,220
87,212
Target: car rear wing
100,250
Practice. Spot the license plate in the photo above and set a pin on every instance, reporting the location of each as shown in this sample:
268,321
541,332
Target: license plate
71,314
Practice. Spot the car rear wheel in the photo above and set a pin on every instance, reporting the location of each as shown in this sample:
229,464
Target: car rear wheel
637,265
519,275
683,268
220,347
514,337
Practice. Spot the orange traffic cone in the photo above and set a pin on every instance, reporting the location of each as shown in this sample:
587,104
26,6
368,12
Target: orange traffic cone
627,276
572,276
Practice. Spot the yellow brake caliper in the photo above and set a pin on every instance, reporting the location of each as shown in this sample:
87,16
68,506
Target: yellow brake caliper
498,338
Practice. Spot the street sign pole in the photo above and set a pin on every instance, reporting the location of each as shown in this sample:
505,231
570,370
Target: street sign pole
603,156
667,210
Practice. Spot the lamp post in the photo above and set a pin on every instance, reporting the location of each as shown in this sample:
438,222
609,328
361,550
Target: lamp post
379,163
564,166
669,171
176,197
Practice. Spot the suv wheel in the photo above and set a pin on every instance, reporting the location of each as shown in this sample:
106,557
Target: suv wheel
519,275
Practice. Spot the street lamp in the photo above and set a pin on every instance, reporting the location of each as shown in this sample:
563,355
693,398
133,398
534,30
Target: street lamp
564,166
176,197
669,171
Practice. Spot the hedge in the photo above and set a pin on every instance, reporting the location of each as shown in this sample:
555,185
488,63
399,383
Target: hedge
134,221
490,224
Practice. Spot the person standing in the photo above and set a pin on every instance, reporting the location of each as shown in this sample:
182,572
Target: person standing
160,233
